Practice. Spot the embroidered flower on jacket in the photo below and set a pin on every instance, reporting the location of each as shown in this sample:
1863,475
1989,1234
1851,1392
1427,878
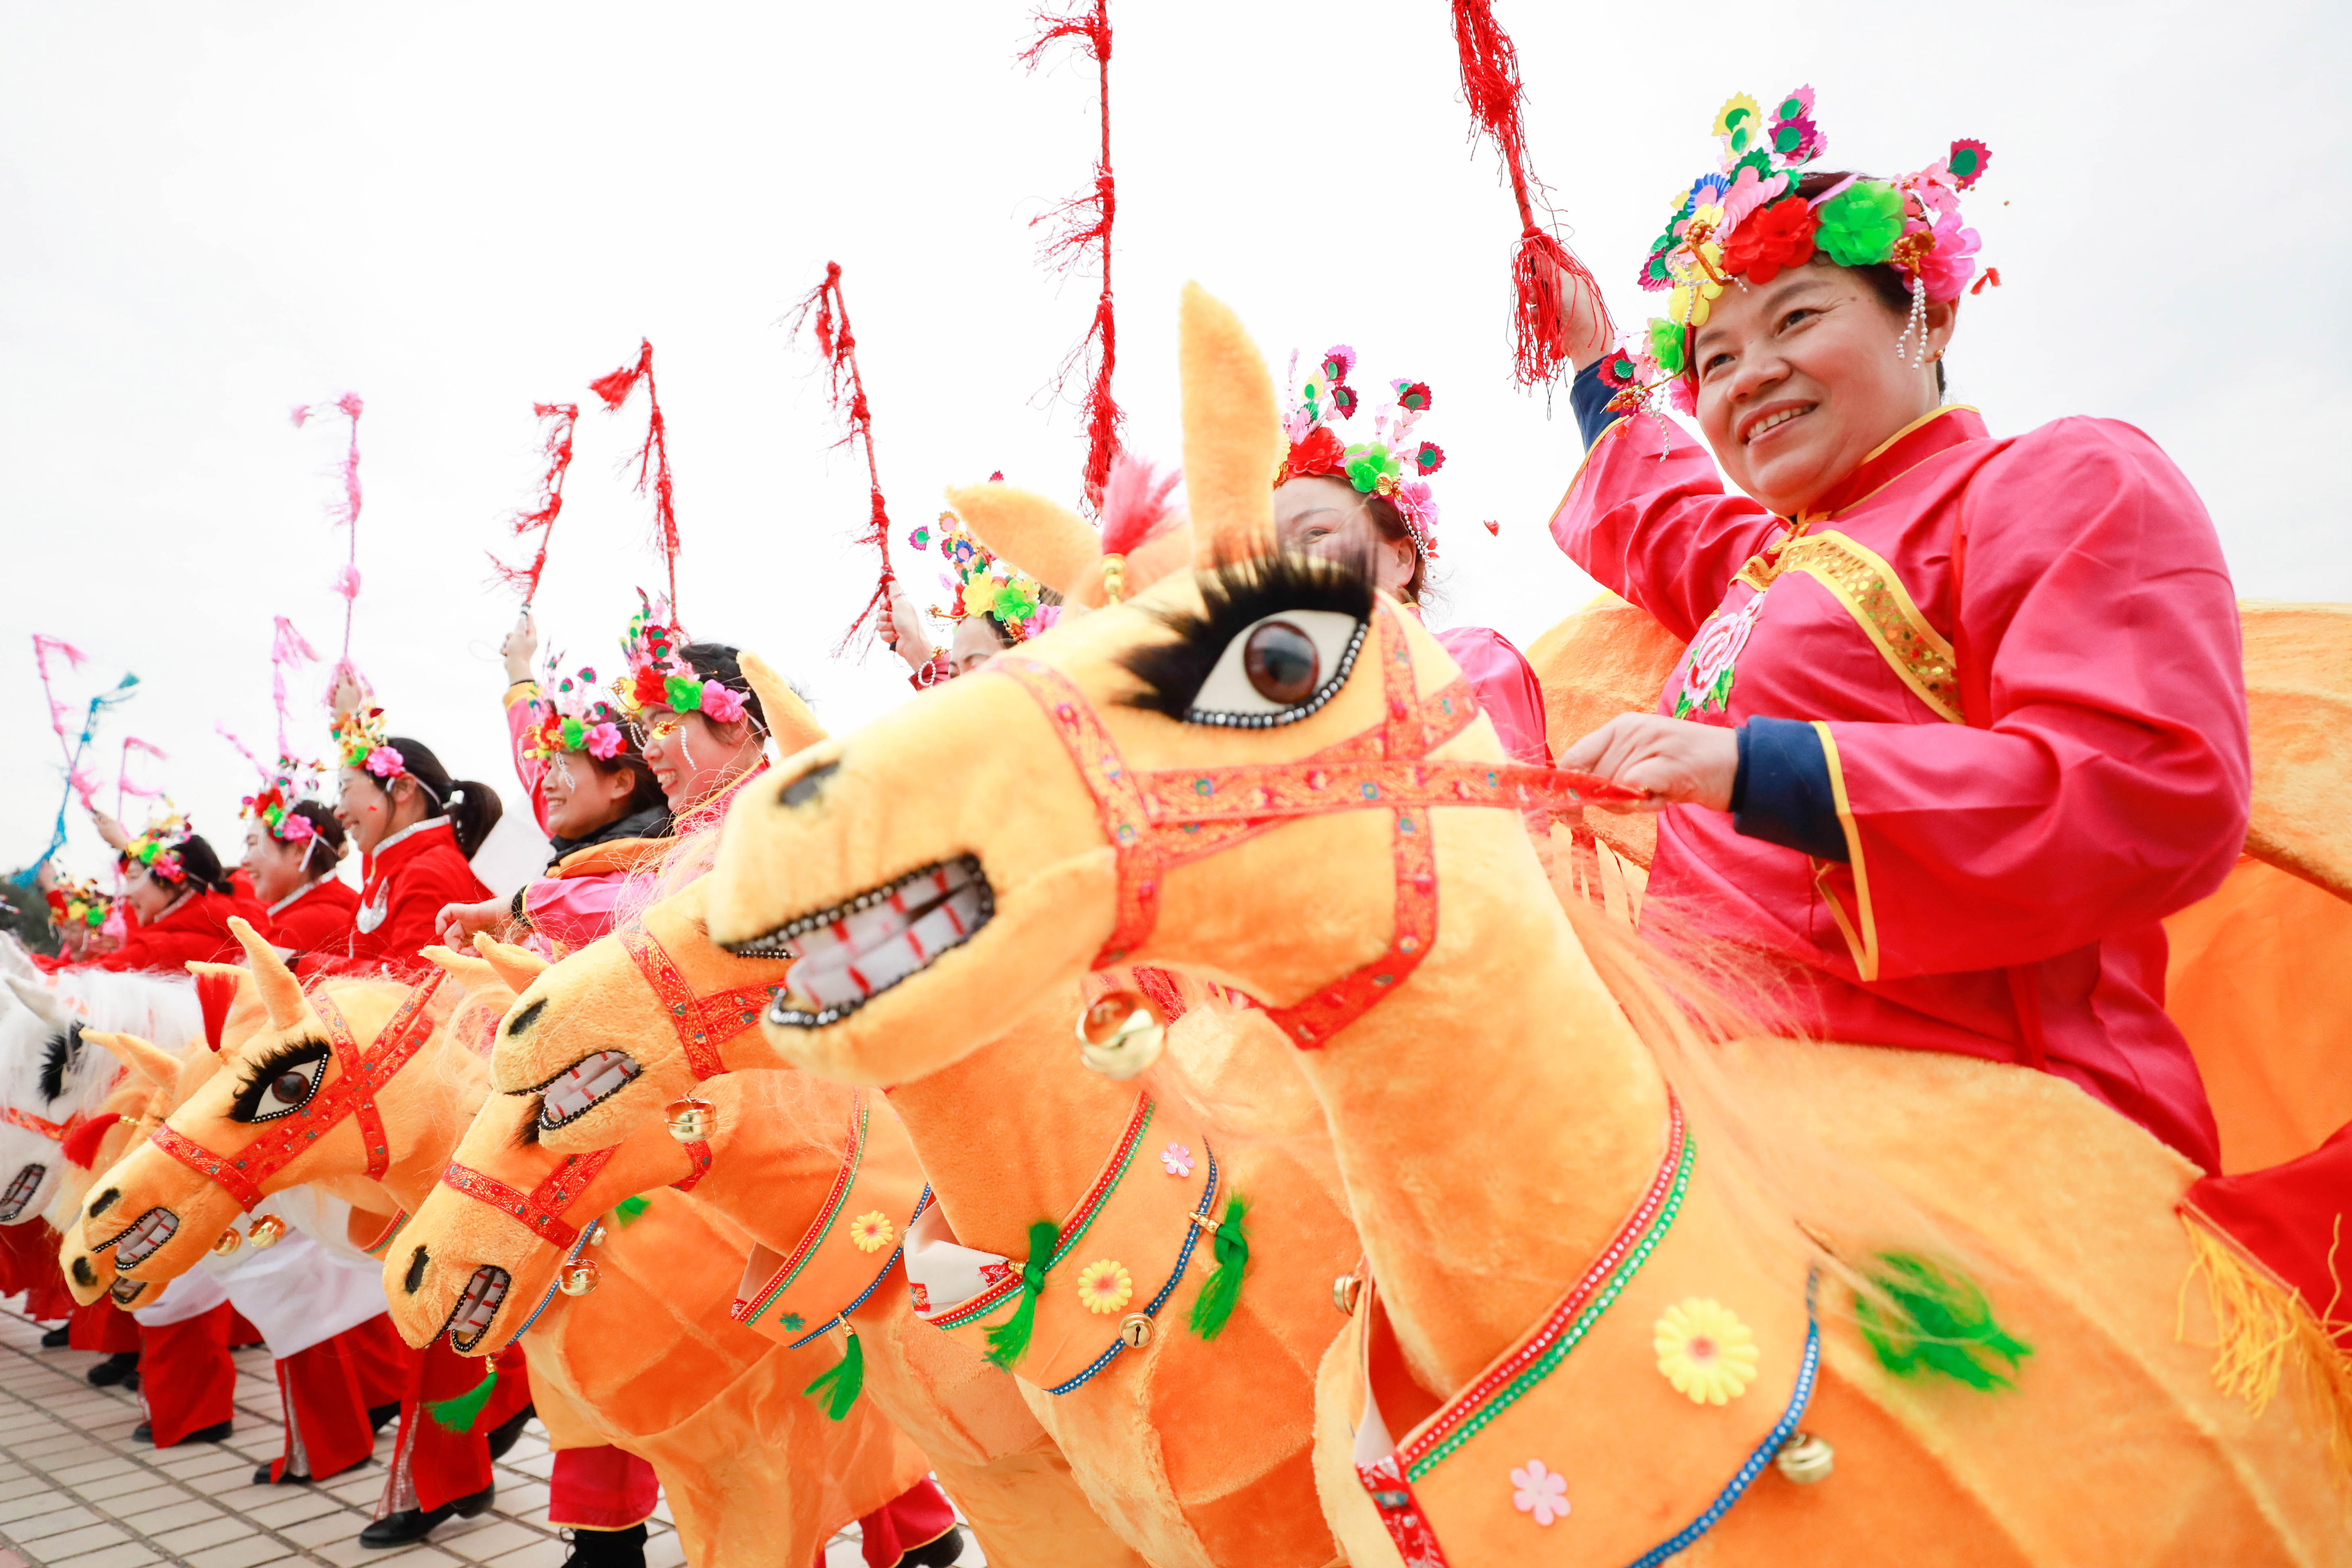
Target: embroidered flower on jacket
1704,1351
1539,1491
1176,1159
872,1231
1709,669
1105,1285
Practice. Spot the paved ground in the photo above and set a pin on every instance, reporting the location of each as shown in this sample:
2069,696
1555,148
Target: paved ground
76,1491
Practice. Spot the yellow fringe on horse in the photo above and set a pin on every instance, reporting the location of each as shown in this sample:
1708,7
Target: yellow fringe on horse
2265,1333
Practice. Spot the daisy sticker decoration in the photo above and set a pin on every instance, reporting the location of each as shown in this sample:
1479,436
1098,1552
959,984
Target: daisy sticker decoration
1105,1286
1540,1493
1392,464
1764,210
1704,1351
872,1231
1177,1160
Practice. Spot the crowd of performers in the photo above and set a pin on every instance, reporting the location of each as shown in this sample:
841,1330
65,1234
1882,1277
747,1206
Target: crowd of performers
1958,721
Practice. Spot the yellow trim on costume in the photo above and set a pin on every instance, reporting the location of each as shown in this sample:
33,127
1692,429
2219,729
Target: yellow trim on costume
1862,946
528,689
1875,596
1936,413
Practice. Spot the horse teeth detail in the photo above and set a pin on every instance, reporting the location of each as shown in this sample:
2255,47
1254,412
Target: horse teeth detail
862,946
470,1319
588,1083
20,1192
141,1242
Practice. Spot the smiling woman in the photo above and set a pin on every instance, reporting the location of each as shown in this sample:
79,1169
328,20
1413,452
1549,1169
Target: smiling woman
1962,718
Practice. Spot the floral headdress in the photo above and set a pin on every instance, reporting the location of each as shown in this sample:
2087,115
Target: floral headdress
363,741
659,676
1746,220
75,901
273,807
574,716
158,849
984,585
1391,464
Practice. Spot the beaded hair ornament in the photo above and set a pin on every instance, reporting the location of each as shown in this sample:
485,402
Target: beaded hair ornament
77,901
363,742
983,584
1391,464
1746,223
158,849
659,676
273,807
574,716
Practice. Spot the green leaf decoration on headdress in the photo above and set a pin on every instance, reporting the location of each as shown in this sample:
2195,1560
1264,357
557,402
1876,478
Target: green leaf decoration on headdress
1666,344
1367,466
1925,1319
1860,224
685,695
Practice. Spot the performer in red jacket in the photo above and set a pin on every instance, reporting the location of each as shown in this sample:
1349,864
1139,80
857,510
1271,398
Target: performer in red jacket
181,900
291,848
415,827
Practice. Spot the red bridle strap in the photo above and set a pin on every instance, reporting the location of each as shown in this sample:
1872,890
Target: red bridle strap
540,1207
363,1072
703,1023
55,1132
1168,818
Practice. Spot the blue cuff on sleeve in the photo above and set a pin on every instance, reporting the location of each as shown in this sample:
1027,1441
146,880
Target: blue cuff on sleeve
1781,793
1590,396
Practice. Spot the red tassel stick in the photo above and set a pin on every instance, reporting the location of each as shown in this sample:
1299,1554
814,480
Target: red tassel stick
559,417
1085,231
837,346
1546,281
653,455
347,581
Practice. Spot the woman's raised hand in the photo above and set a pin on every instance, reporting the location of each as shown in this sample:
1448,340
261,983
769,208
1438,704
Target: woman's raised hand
521,648
108,830
904,629
1673,760
458,923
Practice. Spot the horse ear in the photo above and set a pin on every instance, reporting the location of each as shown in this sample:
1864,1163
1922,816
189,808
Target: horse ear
468,971
149,1060
281,994
216,986
15,959
1232,436
42,1001
1040,536
518,967
789,719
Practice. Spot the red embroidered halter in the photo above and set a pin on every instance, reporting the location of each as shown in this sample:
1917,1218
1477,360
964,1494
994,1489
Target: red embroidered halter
55,1132
1157,821
542,1208
352,1094
703,1023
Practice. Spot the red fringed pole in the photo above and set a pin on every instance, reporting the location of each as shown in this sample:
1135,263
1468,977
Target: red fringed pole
652,456
837,346
1546,279
1085,229
559,418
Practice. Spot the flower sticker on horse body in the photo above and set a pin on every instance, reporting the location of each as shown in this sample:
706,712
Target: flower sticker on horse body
1176,1159
1710,665
1704,1351
1539,1492
1105,1286
872,1231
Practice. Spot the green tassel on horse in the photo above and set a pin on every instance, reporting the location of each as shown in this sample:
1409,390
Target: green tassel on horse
629,1208
1009,1341
846,1378
459,1415
1222,1292
1921,1319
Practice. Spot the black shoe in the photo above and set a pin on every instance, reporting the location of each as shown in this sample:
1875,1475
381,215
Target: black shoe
121,1367
940,1554
416,1523
217,1432
503,1434
55,1340
379,1415
144,1433
262,1477
606,1547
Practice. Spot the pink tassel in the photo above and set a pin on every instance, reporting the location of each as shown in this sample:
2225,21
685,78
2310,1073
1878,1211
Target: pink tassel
60,715
226,733
561,418
838,345
1086,227
653,455
289,650
347,580
1135,504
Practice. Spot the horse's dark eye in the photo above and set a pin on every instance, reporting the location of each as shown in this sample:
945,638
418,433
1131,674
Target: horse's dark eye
1281,663
290,1088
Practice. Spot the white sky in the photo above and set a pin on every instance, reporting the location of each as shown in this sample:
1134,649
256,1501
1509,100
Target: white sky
209,214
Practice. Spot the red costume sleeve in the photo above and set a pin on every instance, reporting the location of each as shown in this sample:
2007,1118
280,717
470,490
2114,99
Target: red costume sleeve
317,921
522,719
438,876
196,930
2109,783
1507,687
1673,541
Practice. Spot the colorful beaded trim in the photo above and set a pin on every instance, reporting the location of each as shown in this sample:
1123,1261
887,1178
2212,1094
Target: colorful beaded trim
841,1318
1807,1370
827,1214
1541,1355
1192,1230
1073,1229
377,1247
1863,583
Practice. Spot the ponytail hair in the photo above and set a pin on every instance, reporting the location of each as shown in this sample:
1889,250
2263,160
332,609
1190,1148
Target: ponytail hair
200,868
326,844
473,809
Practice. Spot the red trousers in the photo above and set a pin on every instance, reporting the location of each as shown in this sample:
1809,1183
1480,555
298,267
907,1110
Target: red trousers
327,1391
432,1465
241,1333
600,1488
28,1262
916,1517
102,1326
185,1376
